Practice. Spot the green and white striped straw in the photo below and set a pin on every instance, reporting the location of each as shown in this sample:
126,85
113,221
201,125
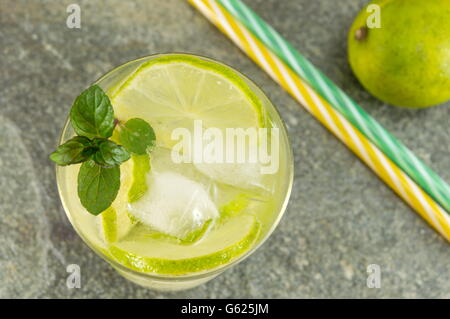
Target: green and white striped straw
431,182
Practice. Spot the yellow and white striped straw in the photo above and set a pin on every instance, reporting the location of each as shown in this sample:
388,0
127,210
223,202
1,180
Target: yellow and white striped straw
328,116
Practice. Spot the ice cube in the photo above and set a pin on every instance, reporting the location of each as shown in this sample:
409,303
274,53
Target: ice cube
244,175
162,160
174,205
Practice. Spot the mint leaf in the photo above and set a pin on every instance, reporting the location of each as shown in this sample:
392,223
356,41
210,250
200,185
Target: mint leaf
109,153
92,114
97,186
137,136
75,150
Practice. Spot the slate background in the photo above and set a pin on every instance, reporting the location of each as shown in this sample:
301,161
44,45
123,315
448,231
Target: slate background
340,219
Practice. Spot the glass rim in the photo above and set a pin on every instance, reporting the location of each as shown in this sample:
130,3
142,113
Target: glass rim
209,272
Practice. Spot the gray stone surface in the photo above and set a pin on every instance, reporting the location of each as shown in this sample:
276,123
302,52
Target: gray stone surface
340,219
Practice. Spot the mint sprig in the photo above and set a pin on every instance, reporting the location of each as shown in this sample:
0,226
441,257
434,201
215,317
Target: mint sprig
92,117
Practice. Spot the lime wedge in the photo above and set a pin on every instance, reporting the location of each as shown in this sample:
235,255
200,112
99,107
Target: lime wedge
171,92
222,245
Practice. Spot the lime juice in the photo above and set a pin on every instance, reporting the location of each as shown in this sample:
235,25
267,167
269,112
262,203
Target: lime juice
210,189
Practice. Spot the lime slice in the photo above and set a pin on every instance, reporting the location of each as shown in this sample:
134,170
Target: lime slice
172,91
234,207
189,239
222,245
141,166
109,225
114,224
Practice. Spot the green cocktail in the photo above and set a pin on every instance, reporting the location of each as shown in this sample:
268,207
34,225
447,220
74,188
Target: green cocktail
210,189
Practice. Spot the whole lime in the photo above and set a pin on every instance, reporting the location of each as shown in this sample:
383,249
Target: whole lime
405,60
